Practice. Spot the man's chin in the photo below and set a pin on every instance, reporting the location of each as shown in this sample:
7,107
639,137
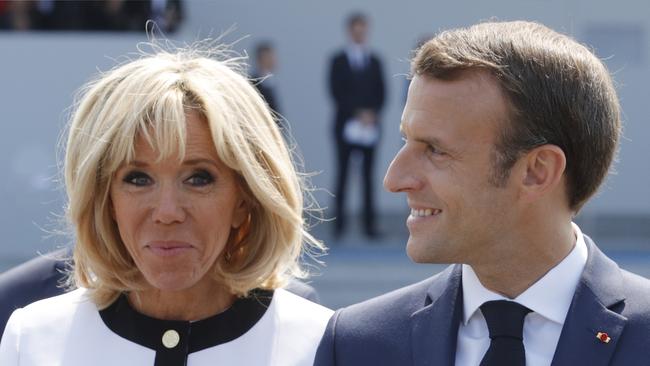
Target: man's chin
417,251
426,252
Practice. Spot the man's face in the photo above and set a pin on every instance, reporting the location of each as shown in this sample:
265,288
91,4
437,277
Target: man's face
267,60
359,32
450,129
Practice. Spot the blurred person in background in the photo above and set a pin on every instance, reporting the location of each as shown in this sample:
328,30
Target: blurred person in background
5,15
265,65
18,15
36,279
356,84
99,15
187,213
509,129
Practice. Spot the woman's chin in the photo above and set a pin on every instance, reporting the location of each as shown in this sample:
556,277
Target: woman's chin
172,281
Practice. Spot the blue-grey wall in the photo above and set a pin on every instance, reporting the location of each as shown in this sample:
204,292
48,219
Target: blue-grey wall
40,72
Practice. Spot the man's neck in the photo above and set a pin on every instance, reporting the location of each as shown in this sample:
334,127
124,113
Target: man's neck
519,263
354,45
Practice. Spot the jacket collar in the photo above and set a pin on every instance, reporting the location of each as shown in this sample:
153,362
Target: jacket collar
595,309
434,328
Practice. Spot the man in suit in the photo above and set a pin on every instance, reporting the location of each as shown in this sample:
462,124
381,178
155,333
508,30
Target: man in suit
45,276
265,63
356,85
509,129
37,279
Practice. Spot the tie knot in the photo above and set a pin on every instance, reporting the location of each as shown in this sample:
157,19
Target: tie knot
504,318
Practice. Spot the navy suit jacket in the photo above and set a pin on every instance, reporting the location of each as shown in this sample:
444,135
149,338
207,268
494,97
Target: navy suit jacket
42,277
353,90
31,281
418,324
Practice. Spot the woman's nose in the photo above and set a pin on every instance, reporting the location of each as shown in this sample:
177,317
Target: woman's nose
169,207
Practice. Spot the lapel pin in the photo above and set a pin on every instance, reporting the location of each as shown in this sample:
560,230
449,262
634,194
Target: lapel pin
603,337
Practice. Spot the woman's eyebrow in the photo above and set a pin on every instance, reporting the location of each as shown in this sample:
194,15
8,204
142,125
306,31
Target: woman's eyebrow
196,161
138,164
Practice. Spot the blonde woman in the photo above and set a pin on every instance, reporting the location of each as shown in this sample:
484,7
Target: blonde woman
187,212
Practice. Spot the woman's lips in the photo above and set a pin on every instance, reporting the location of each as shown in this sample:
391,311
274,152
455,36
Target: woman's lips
168,248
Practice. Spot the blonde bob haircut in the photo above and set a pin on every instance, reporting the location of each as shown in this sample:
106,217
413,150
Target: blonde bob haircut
150,97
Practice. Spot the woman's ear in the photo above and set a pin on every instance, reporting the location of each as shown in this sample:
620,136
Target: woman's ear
111,209
241,213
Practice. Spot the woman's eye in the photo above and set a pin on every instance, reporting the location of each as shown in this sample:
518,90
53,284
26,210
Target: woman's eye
200,179
138,179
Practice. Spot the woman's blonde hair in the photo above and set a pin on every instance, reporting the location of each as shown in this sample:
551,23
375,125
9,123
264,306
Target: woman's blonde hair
150,97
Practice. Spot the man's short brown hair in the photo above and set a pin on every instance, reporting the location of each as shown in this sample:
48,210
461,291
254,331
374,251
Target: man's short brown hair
560,93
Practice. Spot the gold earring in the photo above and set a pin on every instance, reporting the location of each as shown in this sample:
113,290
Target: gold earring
240,235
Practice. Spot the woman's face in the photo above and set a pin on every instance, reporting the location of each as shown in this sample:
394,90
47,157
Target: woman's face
175,217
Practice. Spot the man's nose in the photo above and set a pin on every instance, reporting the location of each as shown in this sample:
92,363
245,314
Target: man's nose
402,174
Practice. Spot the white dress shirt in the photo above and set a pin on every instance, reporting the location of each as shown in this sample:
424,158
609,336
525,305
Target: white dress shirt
549,299
357,55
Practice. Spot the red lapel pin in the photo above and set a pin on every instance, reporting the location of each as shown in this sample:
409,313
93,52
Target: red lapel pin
603,337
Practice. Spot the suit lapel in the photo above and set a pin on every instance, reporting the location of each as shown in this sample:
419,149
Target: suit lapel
593,309
434,328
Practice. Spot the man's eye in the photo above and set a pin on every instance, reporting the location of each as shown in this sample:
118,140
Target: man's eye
138,179
434,151
200,179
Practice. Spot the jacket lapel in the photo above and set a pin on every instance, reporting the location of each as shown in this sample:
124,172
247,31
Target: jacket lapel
434,328
594,308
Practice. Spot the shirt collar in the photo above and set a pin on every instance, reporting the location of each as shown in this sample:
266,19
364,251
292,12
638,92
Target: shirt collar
356,52
356,47
560,281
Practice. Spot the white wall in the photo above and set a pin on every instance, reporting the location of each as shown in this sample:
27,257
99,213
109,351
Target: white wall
39,74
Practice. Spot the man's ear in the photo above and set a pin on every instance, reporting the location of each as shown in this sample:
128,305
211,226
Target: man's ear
542,171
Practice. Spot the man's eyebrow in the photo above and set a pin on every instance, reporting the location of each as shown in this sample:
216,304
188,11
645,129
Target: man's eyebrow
435,142
424,139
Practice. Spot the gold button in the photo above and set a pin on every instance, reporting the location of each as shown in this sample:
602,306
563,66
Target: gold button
171,338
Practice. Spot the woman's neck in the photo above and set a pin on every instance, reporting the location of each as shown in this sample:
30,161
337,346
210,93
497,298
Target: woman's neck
205,299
